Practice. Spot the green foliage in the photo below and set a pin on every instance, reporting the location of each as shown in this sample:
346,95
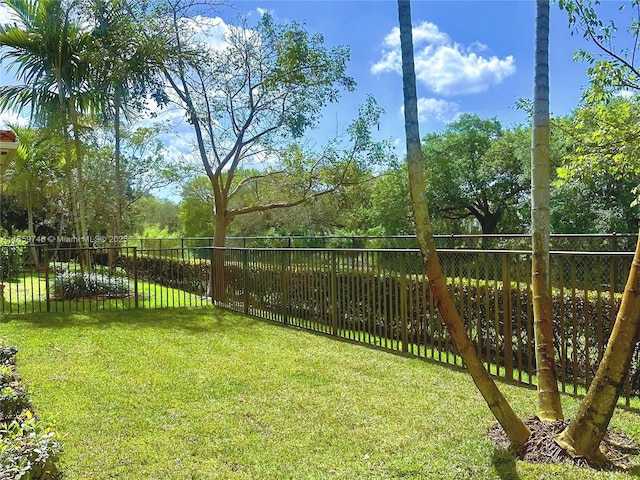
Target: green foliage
476,170
390,207
13,400
11,258
614,67
29,450
189,276
308,296
594,189
75,285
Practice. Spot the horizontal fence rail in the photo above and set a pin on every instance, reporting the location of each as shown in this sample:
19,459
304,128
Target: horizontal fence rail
379,297
615,242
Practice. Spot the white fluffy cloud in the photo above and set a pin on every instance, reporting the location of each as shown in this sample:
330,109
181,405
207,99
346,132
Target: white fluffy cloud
444,66
435,109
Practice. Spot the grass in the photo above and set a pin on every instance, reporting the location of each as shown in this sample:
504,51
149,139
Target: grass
204,394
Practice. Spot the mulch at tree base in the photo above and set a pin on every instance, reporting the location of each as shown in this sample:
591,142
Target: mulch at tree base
620,449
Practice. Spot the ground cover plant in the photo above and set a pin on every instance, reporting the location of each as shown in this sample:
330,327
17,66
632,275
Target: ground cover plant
29,448
172,394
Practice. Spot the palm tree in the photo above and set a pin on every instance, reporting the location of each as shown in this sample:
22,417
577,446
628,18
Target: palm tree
125,64
46,48
515,429
549,406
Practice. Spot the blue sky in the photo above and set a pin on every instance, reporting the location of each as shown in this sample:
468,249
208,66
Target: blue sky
471,56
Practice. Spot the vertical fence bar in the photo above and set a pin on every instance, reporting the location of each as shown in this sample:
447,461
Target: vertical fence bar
403,302
245,281
506,312
135,277
46,277
285,263
334,295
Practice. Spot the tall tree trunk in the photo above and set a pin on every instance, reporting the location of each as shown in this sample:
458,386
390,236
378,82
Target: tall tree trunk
217,277
116,220
589,425
83,240
549,406
30,225
515,429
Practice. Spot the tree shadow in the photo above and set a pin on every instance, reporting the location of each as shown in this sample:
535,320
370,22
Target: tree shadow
201,319
504,463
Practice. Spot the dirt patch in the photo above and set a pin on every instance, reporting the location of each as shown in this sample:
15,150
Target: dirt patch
620,449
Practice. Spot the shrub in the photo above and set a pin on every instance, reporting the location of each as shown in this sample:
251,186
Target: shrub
72,285
13,400
29,449
6,375
11,258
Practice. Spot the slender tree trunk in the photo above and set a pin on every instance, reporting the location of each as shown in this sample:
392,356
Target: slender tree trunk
117,158
515,429
30,225
549,406
589,425
116,220
83,240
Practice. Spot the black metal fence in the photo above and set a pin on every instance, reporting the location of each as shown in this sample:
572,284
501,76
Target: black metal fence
376,297
42,279
379,297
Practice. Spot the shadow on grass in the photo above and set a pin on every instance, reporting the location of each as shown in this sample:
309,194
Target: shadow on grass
504,464
203,319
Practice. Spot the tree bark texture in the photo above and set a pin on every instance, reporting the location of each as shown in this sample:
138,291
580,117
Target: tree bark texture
515,429
549,405
587,428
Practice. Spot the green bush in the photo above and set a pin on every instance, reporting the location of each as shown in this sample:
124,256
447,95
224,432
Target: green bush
190,276
73,285
11,258
13,400
29,450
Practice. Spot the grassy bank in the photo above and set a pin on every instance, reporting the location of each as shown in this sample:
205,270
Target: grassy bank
203,394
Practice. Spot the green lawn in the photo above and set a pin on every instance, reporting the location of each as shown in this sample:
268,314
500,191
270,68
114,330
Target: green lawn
200,394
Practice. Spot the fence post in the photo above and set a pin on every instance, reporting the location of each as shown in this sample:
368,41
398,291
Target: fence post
46,277
403,302
135,277
284,284
614,260
506,315
245,281
334,295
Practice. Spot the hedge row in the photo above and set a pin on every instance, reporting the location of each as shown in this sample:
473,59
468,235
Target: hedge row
192,277
370,303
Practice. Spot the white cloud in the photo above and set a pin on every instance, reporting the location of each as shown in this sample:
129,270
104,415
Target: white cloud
435,109
444,66
212,31
12,118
